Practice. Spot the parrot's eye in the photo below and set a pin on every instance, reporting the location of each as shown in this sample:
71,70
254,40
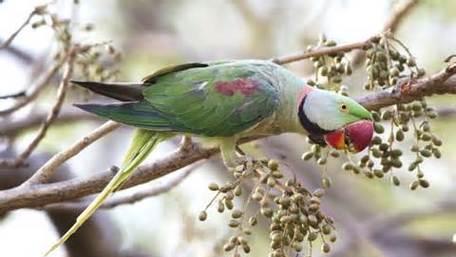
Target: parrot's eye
343,107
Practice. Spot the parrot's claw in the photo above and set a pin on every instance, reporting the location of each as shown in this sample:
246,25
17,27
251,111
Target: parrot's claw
240,161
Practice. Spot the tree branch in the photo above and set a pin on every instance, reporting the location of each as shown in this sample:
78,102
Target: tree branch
408,91
128,199
321,51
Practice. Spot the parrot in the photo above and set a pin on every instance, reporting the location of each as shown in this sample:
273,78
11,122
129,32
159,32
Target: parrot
223,101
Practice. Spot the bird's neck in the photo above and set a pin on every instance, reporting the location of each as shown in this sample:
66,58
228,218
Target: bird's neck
293,92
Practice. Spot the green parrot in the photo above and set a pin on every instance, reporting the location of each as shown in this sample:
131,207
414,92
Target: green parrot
223,101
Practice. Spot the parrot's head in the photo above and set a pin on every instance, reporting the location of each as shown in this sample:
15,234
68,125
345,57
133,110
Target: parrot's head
343,123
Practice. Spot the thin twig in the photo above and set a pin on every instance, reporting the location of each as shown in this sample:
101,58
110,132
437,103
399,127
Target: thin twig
14,126
15,95
20,55
45,173
320,52
52,115
10,39
33,92
399,13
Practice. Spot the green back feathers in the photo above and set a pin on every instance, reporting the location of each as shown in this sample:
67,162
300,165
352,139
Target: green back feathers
220,99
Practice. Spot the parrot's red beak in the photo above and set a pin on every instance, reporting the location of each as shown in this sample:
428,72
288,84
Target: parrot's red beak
355,137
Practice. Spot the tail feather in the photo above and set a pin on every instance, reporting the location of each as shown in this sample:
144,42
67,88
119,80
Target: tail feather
143,143
119,91
137,114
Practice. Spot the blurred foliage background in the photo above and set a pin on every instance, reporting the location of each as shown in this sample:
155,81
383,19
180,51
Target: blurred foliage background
373,217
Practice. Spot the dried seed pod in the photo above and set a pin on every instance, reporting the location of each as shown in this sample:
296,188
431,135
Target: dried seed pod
273,164
313,221
311,83
246,248
423,183
368,174
326,248
267,212
396,181
364,159
396,163
213,187
326,229
436,152
307,156
229,204
277,174
326,182
236,214
296,246
425,137
348,69
399,135
233,223
378,173
379,129
237,190
228,247
271,182
220,206
321,161
253,221
376,140
436,141
411,62
348,166
386,115
202,216
414,185
257,196
383,147
319,192
229,195
425,153
375,116
312,236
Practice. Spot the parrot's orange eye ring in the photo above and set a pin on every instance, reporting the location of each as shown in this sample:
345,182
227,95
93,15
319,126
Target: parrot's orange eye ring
343,107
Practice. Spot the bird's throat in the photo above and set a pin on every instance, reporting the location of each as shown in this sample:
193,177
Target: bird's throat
307,124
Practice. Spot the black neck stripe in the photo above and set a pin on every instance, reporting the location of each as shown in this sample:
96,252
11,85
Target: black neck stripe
308,125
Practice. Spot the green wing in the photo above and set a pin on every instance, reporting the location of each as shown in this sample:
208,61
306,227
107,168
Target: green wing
218,100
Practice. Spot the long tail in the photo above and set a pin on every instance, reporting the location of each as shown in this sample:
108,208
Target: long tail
143,142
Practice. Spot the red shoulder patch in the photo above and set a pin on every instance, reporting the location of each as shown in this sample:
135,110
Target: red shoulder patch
244,86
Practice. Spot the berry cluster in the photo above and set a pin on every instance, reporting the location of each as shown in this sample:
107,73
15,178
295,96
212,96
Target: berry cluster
293,212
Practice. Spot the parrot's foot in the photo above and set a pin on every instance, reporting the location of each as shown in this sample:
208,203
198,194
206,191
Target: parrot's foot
232,155
239,162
